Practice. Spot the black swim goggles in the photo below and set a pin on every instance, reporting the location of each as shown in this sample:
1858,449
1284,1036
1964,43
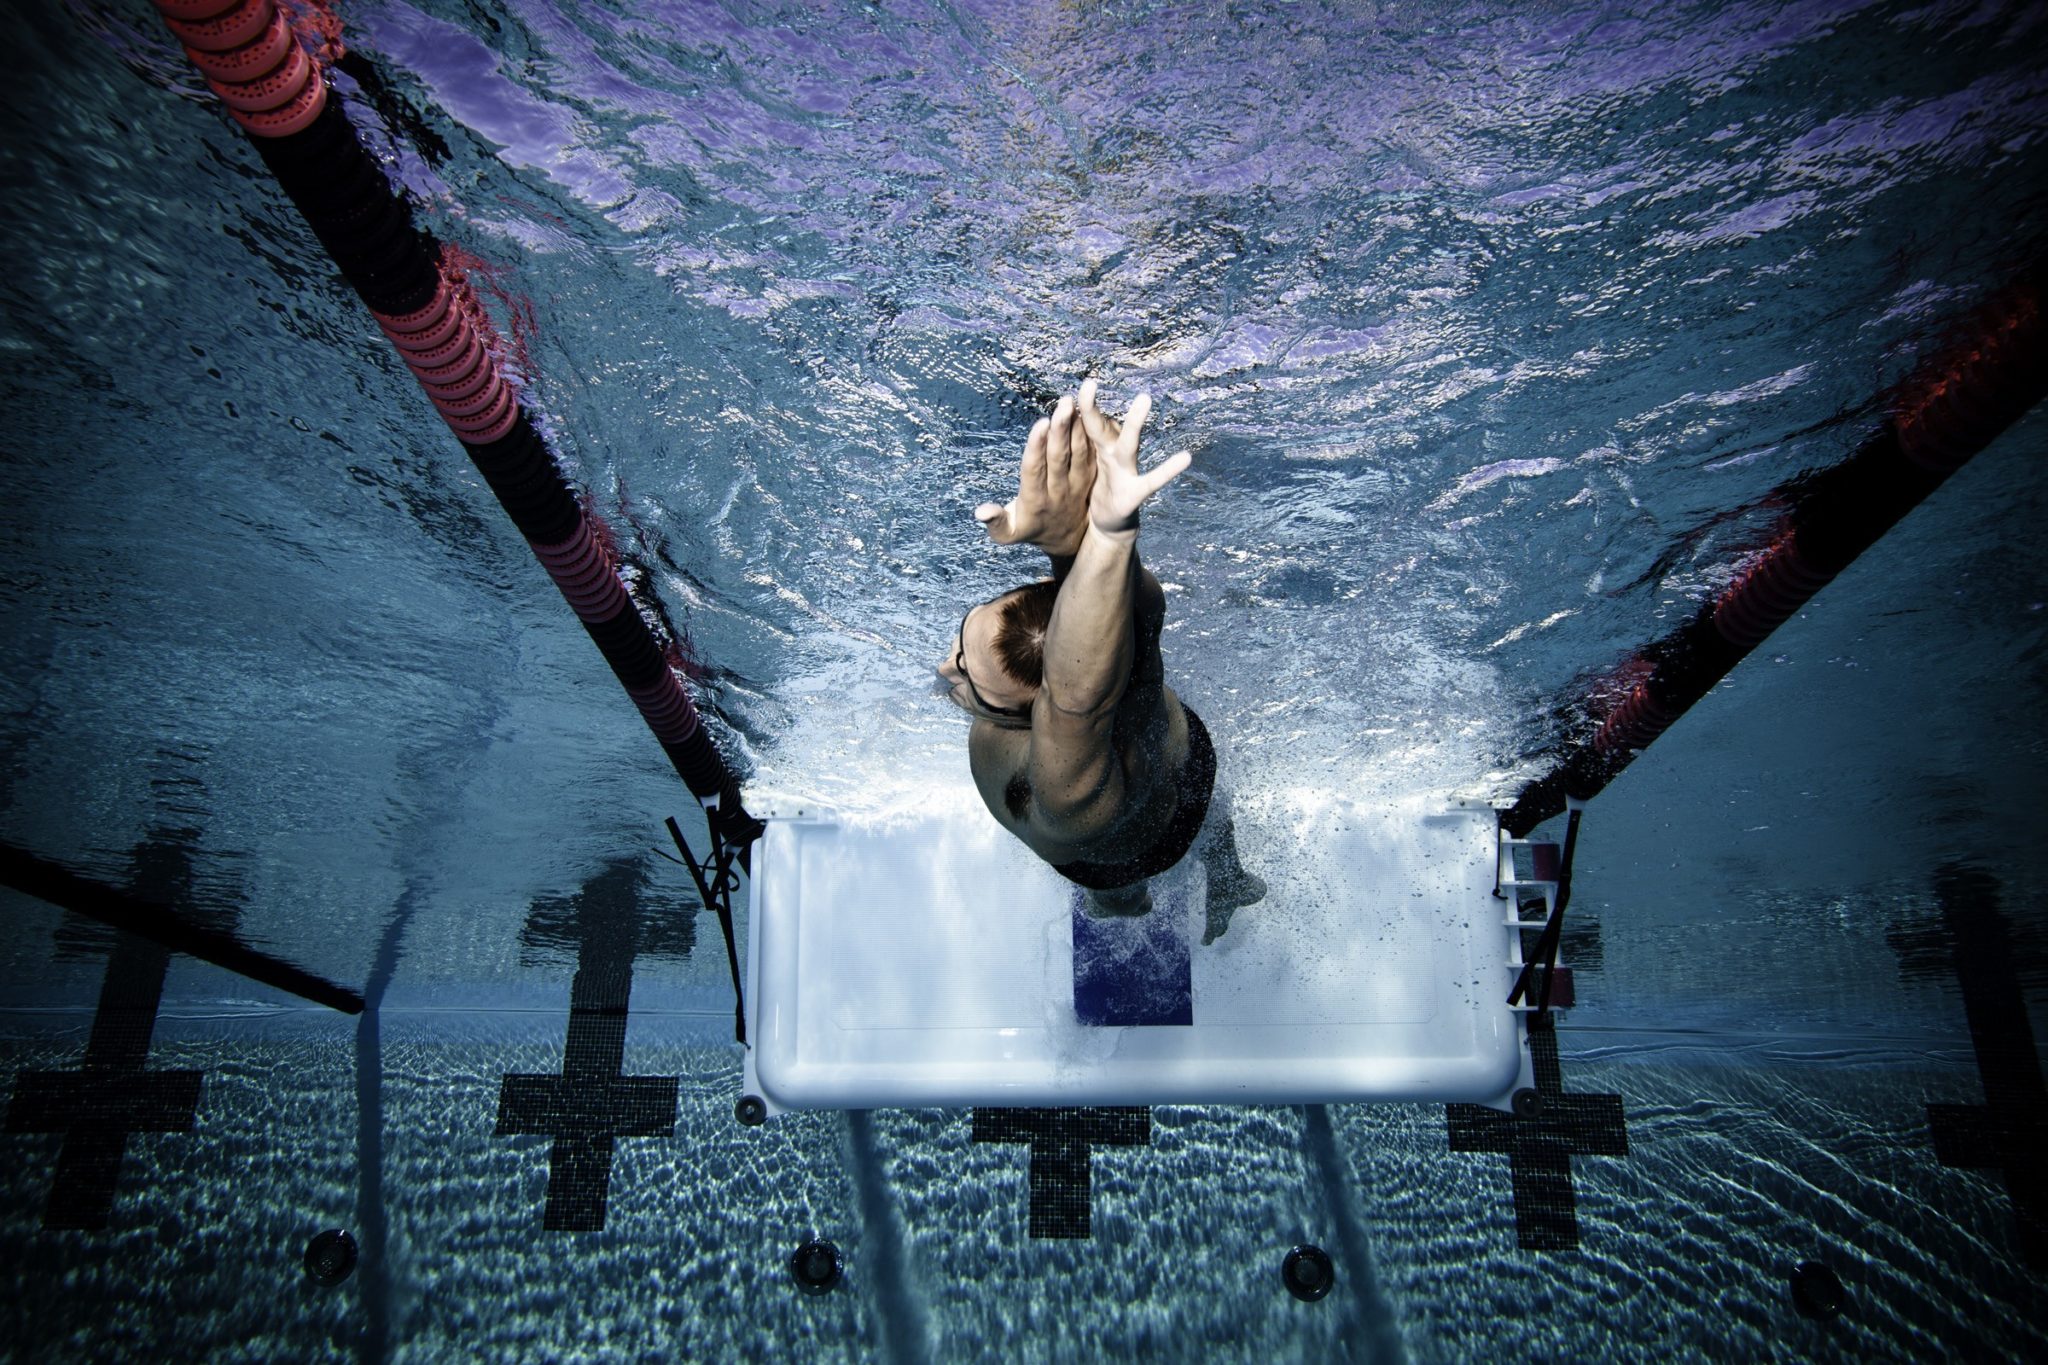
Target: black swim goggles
998,714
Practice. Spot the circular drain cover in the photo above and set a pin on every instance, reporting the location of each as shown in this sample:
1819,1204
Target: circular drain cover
1817,1291
816,1267
1307,1273
331,1256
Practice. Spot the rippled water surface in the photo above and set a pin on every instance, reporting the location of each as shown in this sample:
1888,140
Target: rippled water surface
1492,335
1496,332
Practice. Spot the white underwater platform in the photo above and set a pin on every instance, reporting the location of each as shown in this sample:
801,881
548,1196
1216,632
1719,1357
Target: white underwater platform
931,960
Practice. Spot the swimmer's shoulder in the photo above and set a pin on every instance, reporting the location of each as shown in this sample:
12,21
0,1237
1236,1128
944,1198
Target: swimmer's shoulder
1154,747
1000,757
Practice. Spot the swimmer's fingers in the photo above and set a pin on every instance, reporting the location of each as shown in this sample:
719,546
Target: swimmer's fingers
996,520
1033,469
1080,470
1059,441
1001,520
1006,522
1120,490
1126,443
1102,432
1175,466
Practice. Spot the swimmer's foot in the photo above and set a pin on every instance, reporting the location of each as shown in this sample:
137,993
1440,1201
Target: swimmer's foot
1227,896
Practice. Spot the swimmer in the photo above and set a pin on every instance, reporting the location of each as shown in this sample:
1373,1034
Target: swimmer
1079,748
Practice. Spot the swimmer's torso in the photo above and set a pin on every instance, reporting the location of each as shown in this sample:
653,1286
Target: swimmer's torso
1151,738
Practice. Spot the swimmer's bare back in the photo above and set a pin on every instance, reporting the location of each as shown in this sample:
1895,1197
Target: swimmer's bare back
1150,734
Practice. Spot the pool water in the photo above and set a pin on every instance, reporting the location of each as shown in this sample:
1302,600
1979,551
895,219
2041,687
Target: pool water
1497,337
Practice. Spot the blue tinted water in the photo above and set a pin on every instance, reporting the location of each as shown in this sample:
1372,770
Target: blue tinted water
1493,333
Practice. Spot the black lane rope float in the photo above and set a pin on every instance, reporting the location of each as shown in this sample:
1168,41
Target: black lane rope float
1949,409
254,60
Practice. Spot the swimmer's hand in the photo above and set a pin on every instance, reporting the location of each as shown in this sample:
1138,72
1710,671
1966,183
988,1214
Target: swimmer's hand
1120,490
1053,487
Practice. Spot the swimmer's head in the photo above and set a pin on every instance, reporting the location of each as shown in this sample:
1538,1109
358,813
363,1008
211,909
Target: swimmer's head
997,662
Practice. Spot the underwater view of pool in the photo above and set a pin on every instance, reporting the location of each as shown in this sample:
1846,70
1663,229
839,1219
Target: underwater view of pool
1503,338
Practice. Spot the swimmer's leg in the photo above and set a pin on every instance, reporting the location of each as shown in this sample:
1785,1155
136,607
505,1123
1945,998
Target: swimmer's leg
1231,887
1123,901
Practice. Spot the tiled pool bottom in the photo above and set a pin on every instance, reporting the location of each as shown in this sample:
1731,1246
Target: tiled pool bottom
1734,1174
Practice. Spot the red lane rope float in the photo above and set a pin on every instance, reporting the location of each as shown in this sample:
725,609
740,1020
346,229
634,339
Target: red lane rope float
456,390
476,277
666,709
451,363
420,320
490,425
251,60
494,394
443,345
292,118
1640,718
1767,593
1950,417
255,55
1956,403
283,84
190,11
587,575
239,24
430,332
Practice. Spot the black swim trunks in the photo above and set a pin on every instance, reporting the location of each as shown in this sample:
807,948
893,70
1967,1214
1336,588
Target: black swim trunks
1197,782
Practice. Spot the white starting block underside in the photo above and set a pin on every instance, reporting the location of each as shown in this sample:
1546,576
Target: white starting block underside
928,961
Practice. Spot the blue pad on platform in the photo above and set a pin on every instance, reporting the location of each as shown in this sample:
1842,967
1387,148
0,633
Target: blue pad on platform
1133,969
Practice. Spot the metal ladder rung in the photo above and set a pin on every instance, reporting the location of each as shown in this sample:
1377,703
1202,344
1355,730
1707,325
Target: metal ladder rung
1515,957
1561,993
1543,891
1546,864
1546,859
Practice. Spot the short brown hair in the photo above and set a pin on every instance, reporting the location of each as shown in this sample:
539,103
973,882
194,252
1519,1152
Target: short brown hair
1021,621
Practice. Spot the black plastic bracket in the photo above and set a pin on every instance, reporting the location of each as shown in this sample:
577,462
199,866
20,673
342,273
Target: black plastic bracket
715,890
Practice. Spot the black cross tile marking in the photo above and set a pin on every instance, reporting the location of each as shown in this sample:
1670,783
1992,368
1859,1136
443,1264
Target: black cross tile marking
1540,1149
2009,1131
590,1105
97,1107
1060,1148
111,1096
555,928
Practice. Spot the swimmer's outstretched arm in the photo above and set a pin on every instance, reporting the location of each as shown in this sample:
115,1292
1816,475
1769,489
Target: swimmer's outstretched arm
1053,489
1151,600
1075,770
1089,641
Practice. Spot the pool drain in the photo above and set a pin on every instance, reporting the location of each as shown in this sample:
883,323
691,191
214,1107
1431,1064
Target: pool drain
1307,1273
1817,1292
331,1256
816,1267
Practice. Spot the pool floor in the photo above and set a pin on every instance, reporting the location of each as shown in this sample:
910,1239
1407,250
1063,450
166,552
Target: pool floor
1736,1170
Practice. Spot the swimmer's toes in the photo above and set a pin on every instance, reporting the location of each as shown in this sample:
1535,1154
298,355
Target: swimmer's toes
1227,898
